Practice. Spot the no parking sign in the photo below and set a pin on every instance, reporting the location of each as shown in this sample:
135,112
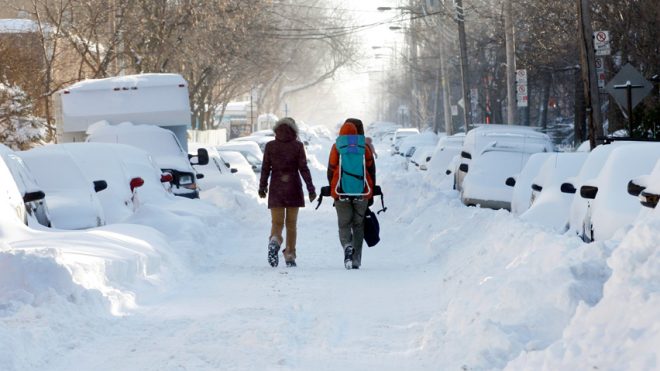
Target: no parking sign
602,42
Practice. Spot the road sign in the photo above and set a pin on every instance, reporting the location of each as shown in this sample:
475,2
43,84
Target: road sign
629,75
433,6
601,80
521,88
600,72
602,42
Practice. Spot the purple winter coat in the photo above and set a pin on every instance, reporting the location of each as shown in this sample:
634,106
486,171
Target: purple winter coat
285,161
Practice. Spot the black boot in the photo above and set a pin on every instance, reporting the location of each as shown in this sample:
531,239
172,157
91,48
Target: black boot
273,250
348,256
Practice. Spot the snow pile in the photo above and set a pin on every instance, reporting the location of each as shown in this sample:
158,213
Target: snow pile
622,331
509,288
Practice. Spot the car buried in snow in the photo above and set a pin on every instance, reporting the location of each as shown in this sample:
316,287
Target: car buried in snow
484,136
611,208
485,183
35,209
71,197
164,148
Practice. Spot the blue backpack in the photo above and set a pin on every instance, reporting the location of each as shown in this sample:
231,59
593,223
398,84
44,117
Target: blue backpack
352,167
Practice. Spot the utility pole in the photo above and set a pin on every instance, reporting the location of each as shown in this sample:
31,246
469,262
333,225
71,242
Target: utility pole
467,104
413,110
588,63
511,105
444,83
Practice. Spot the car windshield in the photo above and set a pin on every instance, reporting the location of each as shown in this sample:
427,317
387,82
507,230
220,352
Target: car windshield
157,143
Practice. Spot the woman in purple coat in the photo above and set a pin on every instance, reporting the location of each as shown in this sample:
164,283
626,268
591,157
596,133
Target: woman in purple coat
284,162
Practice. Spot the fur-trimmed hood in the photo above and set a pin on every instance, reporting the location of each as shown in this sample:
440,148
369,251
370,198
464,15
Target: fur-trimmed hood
286,129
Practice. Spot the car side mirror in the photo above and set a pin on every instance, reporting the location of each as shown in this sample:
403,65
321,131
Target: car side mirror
634,189
447,172
510,181
649,199
199,176
100,185
136,182
568,188
463,168
428,158
166,177
466,155
202,156
537,187
589,192
34,196
233,170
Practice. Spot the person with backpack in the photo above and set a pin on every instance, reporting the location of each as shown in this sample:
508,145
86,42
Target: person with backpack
284,162
352,176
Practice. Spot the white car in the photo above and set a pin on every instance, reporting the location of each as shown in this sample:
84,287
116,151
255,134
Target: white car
591,167
260,138
399,135
217,173
485,182
421,156
161,144
10,196
446,149
35,207
427,138
521,198
647,187
612,208
484,136
101,161
235,160
250,150
71,197
550,207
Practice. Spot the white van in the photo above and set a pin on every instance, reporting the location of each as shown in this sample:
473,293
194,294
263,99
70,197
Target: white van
485,184
483,136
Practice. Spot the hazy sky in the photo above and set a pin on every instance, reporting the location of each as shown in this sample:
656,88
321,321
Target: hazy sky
348,94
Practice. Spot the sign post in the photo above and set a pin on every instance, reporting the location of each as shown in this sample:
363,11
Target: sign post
628,88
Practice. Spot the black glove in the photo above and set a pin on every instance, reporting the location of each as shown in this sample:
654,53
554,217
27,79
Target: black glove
262,192
312,197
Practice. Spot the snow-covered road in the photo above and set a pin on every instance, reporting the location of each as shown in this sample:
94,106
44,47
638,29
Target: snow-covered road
448,288
247,315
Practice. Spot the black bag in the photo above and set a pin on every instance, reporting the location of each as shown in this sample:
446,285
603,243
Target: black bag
371,228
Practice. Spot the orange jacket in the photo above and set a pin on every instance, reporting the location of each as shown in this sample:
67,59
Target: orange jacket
333,163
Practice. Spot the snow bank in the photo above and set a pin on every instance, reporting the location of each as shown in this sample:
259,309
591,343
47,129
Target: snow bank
508,286
621,332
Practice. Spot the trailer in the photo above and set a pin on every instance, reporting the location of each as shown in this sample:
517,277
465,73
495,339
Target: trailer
148,99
